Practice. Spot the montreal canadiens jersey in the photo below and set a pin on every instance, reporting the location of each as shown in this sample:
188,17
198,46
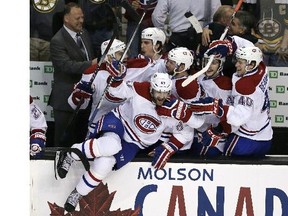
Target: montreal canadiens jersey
137,69
37,117
219,87
143,126
249,115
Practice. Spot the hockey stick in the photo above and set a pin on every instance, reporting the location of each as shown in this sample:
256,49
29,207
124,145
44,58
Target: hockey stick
211,58
194,22
76,111
76,151
111,79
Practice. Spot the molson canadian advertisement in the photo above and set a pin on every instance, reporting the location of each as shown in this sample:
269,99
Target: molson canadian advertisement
181,189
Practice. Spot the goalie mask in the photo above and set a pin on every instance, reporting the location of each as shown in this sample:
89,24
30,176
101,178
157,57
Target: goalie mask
161,82
250,54
154,34
181,55
116,46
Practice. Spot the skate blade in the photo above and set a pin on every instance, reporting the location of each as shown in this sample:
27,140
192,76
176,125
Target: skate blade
57,156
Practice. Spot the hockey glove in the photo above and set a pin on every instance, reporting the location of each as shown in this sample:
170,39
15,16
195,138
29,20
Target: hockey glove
212,136
117,70
162,153
174,108
37,144
207,105
82,90
221,48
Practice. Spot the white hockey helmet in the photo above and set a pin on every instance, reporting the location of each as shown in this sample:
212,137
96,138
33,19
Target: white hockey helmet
181,55
250,54
116,46
154,34
161,82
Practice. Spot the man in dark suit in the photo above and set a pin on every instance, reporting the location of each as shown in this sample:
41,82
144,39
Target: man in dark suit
69,60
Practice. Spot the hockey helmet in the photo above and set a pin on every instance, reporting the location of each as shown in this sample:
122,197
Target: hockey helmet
161,82
154,34
250,54
116,46
181,55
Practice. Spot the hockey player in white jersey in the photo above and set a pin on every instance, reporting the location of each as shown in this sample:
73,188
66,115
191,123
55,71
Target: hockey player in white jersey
38,127
123,132
137,69
215,85
178,64
249,115
152,43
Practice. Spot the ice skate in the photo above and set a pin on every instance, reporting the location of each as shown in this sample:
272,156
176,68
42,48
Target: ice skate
63,163
72,201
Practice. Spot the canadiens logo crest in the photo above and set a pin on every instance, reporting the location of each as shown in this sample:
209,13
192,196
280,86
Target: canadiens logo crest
44,6
146,123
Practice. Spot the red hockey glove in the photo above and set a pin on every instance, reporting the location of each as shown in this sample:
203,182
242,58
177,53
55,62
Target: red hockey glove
162,153
117,70
222,48
212,136
174,108
37,143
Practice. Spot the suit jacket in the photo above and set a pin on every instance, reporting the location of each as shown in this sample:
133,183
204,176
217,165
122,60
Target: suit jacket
69,63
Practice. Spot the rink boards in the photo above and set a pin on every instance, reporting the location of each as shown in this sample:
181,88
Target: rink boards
200,188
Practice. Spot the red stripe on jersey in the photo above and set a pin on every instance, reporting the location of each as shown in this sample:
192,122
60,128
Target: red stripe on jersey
176,142
136,63
31,99
91,148
248,84
93,177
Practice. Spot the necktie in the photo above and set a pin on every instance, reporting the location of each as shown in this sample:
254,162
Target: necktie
80,43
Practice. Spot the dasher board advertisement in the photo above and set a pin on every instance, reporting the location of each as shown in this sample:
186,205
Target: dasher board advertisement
181,189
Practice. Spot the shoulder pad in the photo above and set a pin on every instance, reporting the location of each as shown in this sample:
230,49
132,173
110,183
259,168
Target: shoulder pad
143,89
136,63
223,82
247,85
188,92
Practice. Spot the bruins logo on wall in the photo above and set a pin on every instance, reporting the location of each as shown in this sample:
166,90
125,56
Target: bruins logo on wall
44,6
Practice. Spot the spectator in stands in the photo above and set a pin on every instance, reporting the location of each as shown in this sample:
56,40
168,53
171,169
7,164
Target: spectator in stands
41,28
272,27
214,30
100,21
132,21
183,33
242,25
70,60
38,127
57,20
